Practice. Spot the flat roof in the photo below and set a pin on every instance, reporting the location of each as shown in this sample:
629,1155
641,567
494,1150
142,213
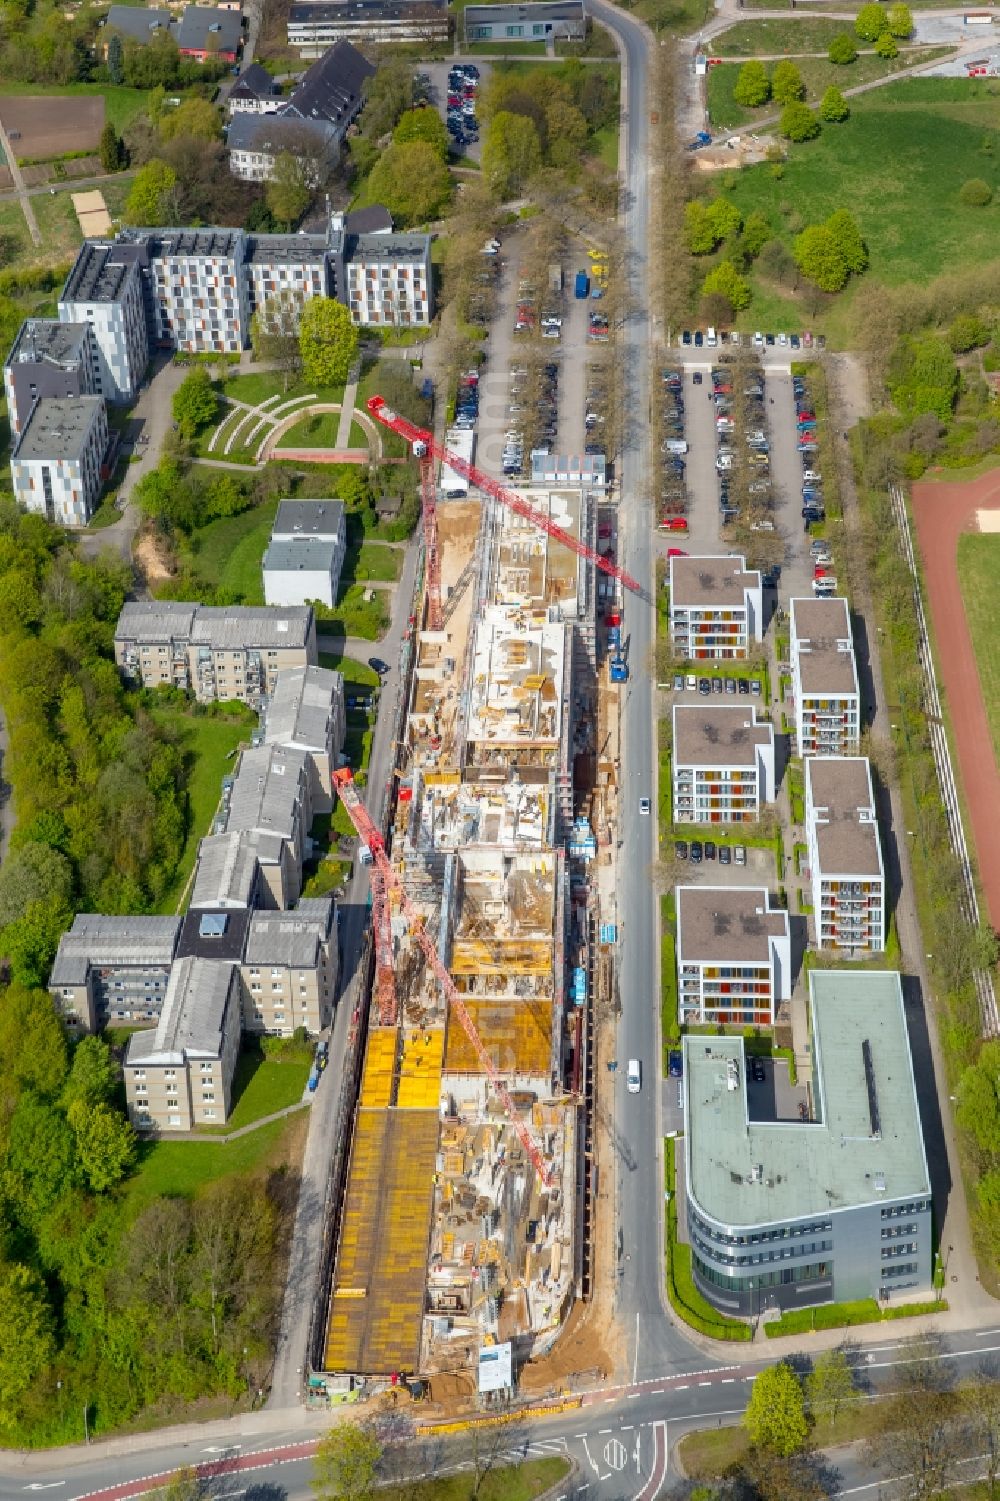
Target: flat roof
58,427
304,555
839,792
727,922
716,583
281,250
292,937
100,271
308,518
219,933
315,12
866,1145
43,341
823,643
555,10
152,621
194,1009
727,735
393,247
217,244
301,709
517,677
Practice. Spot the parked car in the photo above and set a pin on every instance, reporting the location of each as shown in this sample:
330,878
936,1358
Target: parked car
696,851
675,1063
681,849
740,854
757,1070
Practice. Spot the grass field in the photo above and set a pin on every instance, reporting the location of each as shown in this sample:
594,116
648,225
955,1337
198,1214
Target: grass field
510,1483
262,1086
228,553
181,1168
818,74
978,572
797,34
317,431
375,561
899,162
209,743
356,674
257,387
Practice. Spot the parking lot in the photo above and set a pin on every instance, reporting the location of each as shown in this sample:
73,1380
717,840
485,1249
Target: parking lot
437,74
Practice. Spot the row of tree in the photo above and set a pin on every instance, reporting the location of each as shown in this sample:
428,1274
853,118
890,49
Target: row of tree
544,118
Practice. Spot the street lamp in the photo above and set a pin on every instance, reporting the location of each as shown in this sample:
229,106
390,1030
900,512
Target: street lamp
246,1372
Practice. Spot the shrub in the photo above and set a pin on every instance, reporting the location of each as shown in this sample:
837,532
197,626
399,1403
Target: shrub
798,123
870,23
786,83
886,47
842,49
726,280
833,107
899,21
967,332
975,193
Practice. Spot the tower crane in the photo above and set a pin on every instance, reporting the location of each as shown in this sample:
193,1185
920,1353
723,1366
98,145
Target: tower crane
425,448
388,879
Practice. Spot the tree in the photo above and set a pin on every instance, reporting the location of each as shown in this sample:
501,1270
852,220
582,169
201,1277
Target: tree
32,1041
752,87
786,83
833,107
93,1076
192,117
512,153
842,49
346,1463
870,22
798,122
116,59
975,193
847,238
412,182
195,404
328,342
34,872
900,20
775,1417
818,257
920,1439
885,47
756,233
566,129
112,149
923,377
105,1144
423,125
149,195
706,225
967,332
274,333
978,1109
288,193
27,1346
830,1386
727,281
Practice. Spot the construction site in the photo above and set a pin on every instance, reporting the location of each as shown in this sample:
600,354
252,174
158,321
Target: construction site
464,1222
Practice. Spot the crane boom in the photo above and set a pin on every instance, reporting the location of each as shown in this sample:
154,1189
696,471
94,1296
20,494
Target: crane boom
424,443
370,835
432,556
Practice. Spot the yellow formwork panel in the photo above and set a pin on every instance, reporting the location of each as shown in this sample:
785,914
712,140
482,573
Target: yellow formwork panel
378,1294
376,1081
515,956
420,1070
516,1034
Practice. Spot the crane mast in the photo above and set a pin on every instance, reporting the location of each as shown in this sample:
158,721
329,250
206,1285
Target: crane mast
370,835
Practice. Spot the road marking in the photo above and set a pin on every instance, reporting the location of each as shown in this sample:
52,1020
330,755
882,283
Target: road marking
615,1454
628,1428
704,1383
658,1473
728,1381
676,1389
44,1485
631,1396
605,1430
985,1333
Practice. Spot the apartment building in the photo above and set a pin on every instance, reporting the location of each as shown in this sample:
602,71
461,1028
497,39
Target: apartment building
255,92
824,678
314,25
104,289
734,958
113,971
723,764
289,970
270,803
200,289
218,652
210,33
784,1212
227,874
386,278
535,21
57,460
716,608
845,855
181,1074
49,359
306,713
306,553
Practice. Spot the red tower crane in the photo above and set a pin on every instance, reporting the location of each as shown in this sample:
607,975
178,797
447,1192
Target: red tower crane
369,835
428,508
426,447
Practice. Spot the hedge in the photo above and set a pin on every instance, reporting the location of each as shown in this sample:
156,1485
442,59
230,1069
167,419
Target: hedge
845,1315
685,1299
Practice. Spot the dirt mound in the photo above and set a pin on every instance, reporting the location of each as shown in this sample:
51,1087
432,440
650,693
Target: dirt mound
152,556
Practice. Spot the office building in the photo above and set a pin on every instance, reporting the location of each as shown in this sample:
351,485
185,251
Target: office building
306,713
289,970
49,359
716,609
104,289
539,21
723,764
845,855
113,971
734,960
57,461
314,25
824,678
785,1211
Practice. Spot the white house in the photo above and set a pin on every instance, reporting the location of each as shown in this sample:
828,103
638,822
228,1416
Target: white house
306,552
824,678
716,608
734,955
723,764
845,856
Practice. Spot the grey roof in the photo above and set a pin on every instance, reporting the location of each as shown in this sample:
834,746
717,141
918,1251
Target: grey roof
290,938
209,933
723,736
839,791
261,627
307,555
300,711
394,247
154,621
272,134
142,22
308,518
835,1162
574,468
320,12
539,10
58,427
372,220
47,341
255,82
214,244
727,922
824,645
191,1021
265,794
333,88
205,28
226,872
285,250
101,269
718,583
95,940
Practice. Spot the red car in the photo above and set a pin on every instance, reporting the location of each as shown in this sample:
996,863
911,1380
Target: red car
676,552
675,524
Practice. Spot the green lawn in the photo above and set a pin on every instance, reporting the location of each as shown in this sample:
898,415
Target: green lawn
263,1086
180,1168
358,437
798,34
899,162
604,143
978,572
227,554
375,561
818,74
209,743
356,674
507,49
511,1483
257,387
358,616
317,431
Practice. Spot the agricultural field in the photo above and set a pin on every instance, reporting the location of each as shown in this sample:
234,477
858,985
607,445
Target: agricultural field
120,106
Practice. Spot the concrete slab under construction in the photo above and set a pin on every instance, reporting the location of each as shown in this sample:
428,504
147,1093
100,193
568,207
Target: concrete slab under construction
420,1070
516,1034
377,1303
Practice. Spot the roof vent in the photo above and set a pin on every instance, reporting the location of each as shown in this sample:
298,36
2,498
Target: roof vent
880,1183
213,925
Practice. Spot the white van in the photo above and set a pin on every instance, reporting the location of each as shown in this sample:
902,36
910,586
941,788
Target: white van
634,1076
711,338
676,445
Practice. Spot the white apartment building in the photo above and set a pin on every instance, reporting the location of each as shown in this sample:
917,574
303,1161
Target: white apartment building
49,358
845,855
734,955
306,553
293,267
723,764
824,678
56,463
104,289
200,288
716,608
386,279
